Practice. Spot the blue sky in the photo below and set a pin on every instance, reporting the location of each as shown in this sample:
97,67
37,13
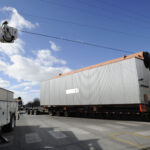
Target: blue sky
31,59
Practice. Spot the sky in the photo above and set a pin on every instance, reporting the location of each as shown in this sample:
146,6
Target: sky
31,59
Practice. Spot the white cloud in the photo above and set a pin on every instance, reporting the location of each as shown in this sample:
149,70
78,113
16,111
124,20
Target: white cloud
45,58
27,88
18,21
53,46
24,84
12,48
28,69
4,83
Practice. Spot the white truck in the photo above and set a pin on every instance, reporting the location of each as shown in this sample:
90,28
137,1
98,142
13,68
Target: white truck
8,110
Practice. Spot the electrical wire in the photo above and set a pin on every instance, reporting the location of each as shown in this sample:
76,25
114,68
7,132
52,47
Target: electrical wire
77,41
84,25
127,11
97,14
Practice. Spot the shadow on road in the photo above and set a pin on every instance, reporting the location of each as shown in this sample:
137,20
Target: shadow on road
40,138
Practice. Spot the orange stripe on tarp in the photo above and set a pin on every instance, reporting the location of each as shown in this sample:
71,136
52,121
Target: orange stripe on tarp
136,55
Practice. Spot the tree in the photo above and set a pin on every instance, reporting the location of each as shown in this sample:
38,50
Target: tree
36,102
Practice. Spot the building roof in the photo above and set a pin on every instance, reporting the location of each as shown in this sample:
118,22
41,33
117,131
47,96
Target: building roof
135,55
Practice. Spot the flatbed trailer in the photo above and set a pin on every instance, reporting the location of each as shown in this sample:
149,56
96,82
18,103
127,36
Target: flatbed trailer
116,88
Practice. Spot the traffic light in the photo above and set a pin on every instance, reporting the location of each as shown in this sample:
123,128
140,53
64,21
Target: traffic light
146,56
7,34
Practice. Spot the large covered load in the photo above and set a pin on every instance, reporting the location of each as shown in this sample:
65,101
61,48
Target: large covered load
123,83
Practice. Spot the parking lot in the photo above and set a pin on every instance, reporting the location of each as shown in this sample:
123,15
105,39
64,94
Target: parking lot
47,132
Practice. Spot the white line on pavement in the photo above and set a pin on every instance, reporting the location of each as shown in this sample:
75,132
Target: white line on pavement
57,134
128,124
32,138
98,128
78,131
145,133
113,126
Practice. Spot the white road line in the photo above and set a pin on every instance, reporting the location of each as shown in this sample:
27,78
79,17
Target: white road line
128,124
145,133
78,131
57,134
32,138
143,123
98,128
113,126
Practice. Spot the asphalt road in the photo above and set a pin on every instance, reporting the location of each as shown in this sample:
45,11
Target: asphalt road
66,133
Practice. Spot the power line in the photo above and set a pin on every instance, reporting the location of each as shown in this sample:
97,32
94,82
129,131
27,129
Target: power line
127,10
94,13
84,25
123,11
77,41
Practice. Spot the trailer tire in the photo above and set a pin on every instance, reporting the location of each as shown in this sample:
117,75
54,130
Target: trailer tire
53,113
66,114
58,113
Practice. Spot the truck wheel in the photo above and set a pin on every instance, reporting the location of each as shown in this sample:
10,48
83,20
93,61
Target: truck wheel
18,116
11,126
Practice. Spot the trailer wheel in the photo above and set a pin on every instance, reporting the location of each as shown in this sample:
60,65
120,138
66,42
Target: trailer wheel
66,114
53,112
57,113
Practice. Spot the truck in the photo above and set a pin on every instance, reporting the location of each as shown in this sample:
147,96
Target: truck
115,88
8,110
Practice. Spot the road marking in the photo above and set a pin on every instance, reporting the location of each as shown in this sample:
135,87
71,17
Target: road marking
78,131
114,126
143,123
144,133
114,137
32,138
98,128
128,124
57,134
48,147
